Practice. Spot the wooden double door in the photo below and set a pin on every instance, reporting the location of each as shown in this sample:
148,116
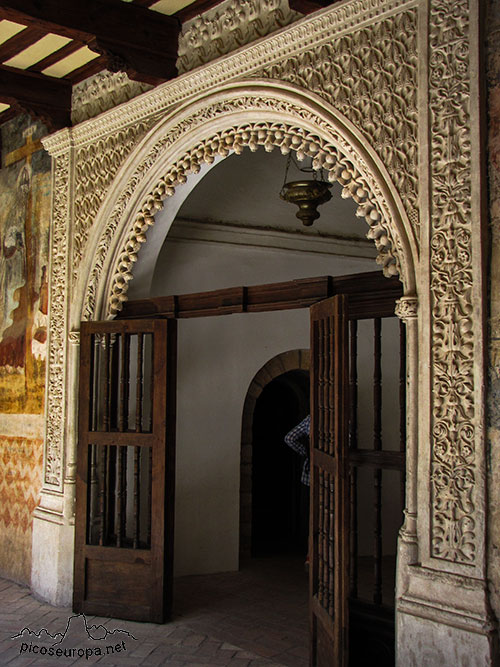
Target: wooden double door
126,453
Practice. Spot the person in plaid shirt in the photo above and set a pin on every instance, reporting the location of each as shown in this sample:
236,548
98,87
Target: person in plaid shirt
298,440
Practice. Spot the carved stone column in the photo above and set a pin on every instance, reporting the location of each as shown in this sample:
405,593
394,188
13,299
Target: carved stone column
443,609
407,310
52,549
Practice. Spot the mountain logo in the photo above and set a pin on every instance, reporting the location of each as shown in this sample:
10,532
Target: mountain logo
79,639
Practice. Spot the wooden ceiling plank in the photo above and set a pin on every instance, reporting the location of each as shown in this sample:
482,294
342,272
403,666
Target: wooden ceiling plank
8,114
56,56
21,41
110,20
43,97
132,38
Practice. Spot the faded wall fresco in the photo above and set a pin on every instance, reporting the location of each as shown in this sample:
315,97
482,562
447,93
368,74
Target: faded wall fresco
24,225
493,23
24,229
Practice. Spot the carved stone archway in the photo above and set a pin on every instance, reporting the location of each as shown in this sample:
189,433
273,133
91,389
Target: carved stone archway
237,117
343,86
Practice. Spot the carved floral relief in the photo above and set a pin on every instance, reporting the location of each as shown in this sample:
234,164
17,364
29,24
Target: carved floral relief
453,474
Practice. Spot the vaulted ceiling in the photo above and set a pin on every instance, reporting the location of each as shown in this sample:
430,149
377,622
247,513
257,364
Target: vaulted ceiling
47,46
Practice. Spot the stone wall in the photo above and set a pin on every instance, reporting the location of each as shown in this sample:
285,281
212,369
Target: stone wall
493,65
24,229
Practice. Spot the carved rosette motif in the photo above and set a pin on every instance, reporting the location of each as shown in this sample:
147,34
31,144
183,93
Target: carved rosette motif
374,84
96,165
452,465
335,158
54,436
229,26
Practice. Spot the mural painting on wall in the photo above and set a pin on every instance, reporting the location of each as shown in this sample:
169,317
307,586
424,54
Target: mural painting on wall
24,228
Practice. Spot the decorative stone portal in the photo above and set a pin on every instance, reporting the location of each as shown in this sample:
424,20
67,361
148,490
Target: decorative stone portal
343,87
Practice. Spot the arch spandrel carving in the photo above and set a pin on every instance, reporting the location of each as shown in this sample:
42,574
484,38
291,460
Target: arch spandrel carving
375,87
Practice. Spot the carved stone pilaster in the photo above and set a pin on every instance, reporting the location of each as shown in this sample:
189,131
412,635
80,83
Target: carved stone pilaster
60,147
455,484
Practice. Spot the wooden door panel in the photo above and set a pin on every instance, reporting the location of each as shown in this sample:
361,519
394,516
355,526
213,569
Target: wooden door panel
125,469
329,484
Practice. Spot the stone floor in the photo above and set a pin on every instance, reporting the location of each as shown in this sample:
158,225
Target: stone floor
255,617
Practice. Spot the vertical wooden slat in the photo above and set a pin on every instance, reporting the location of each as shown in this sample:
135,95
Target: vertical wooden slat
92,495
329,426
402,404
353,444
103,495
326,517
138,428
331,544
139,389
321,530
107,381
377,474
121,481
94,375
150,472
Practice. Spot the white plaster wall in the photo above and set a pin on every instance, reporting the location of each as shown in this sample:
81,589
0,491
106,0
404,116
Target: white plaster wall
217,360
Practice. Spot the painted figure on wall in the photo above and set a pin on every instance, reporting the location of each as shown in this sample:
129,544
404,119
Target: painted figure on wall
24,225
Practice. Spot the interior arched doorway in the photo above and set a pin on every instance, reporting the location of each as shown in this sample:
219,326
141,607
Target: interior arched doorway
281,386
280,502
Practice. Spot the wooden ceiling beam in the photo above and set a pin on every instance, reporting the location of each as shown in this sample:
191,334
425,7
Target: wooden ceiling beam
43,97
83,72
195,9
132,38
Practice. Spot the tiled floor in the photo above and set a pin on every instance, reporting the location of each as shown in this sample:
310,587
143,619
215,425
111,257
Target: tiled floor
255,617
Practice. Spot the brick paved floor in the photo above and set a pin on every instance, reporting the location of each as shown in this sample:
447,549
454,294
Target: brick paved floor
252,618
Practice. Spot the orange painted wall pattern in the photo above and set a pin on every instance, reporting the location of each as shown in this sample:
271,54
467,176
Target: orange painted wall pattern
21,466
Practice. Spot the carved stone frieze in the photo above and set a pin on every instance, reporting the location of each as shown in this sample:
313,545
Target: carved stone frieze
95,167
374,84
453,472
54,436
227,27
101,92
335,156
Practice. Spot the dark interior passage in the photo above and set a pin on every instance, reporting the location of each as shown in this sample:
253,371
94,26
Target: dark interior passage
280,502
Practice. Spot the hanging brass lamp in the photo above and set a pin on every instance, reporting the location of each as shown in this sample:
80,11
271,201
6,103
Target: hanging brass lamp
306,194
